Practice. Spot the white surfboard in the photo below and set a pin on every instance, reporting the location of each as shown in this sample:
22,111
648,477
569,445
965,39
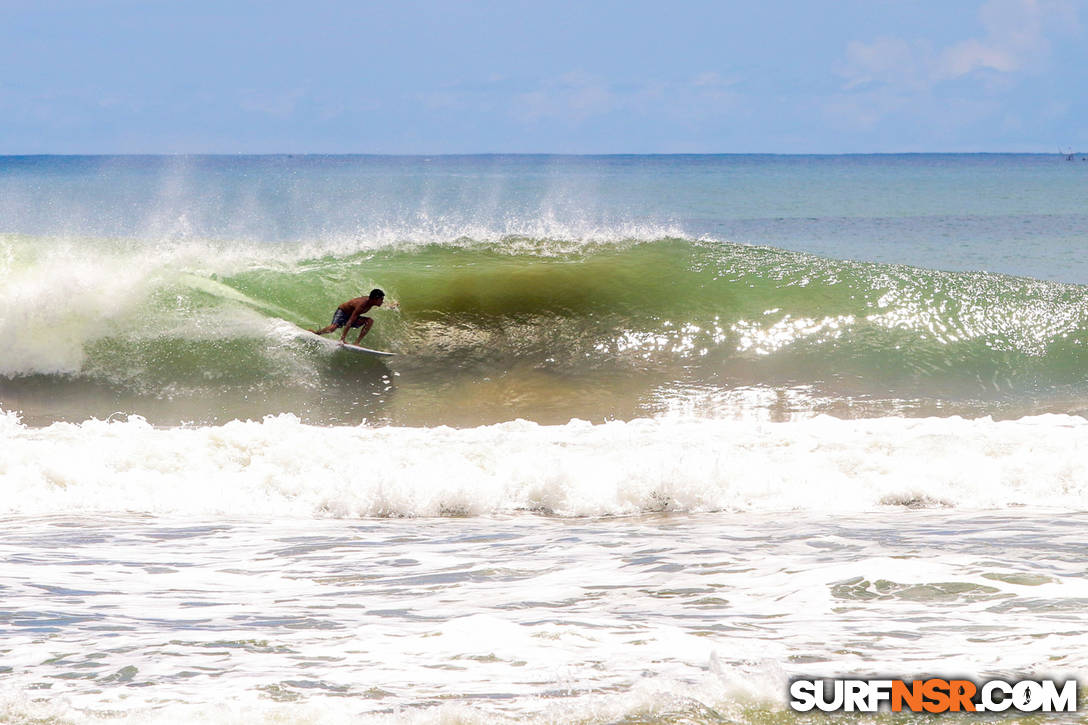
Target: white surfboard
345,346
364,350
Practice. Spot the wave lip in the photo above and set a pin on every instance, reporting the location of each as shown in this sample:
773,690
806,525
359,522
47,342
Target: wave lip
281,467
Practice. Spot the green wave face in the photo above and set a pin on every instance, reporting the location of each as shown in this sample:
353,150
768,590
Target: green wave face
707,310
545,329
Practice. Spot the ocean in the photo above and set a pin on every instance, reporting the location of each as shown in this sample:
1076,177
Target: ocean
661,434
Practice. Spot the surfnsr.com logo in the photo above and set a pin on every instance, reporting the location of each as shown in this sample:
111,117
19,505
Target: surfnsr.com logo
933,695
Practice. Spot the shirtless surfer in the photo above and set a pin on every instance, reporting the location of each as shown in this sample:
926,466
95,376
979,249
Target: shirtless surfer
350,314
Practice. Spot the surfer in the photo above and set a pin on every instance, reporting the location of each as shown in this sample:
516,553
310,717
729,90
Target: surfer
350,314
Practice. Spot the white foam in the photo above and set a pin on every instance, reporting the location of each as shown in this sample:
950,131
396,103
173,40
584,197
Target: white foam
652,700
60,296
658,618
282,467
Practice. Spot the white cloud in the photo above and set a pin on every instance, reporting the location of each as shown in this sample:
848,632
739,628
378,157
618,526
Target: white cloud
891,61
893,76
973,54
1014,39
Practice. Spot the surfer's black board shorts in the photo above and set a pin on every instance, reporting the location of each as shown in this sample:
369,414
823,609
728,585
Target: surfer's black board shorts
340,318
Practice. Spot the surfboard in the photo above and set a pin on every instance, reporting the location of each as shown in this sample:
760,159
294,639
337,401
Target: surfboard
336,344
364,350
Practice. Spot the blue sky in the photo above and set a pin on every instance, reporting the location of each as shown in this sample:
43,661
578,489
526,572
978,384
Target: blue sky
112,76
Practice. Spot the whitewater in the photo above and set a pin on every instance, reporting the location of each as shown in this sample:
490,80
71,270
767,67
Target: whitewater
280,467
661,434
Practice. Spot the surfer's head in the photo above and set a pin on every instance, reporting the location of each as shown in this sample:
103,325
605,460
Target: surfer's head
377,297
